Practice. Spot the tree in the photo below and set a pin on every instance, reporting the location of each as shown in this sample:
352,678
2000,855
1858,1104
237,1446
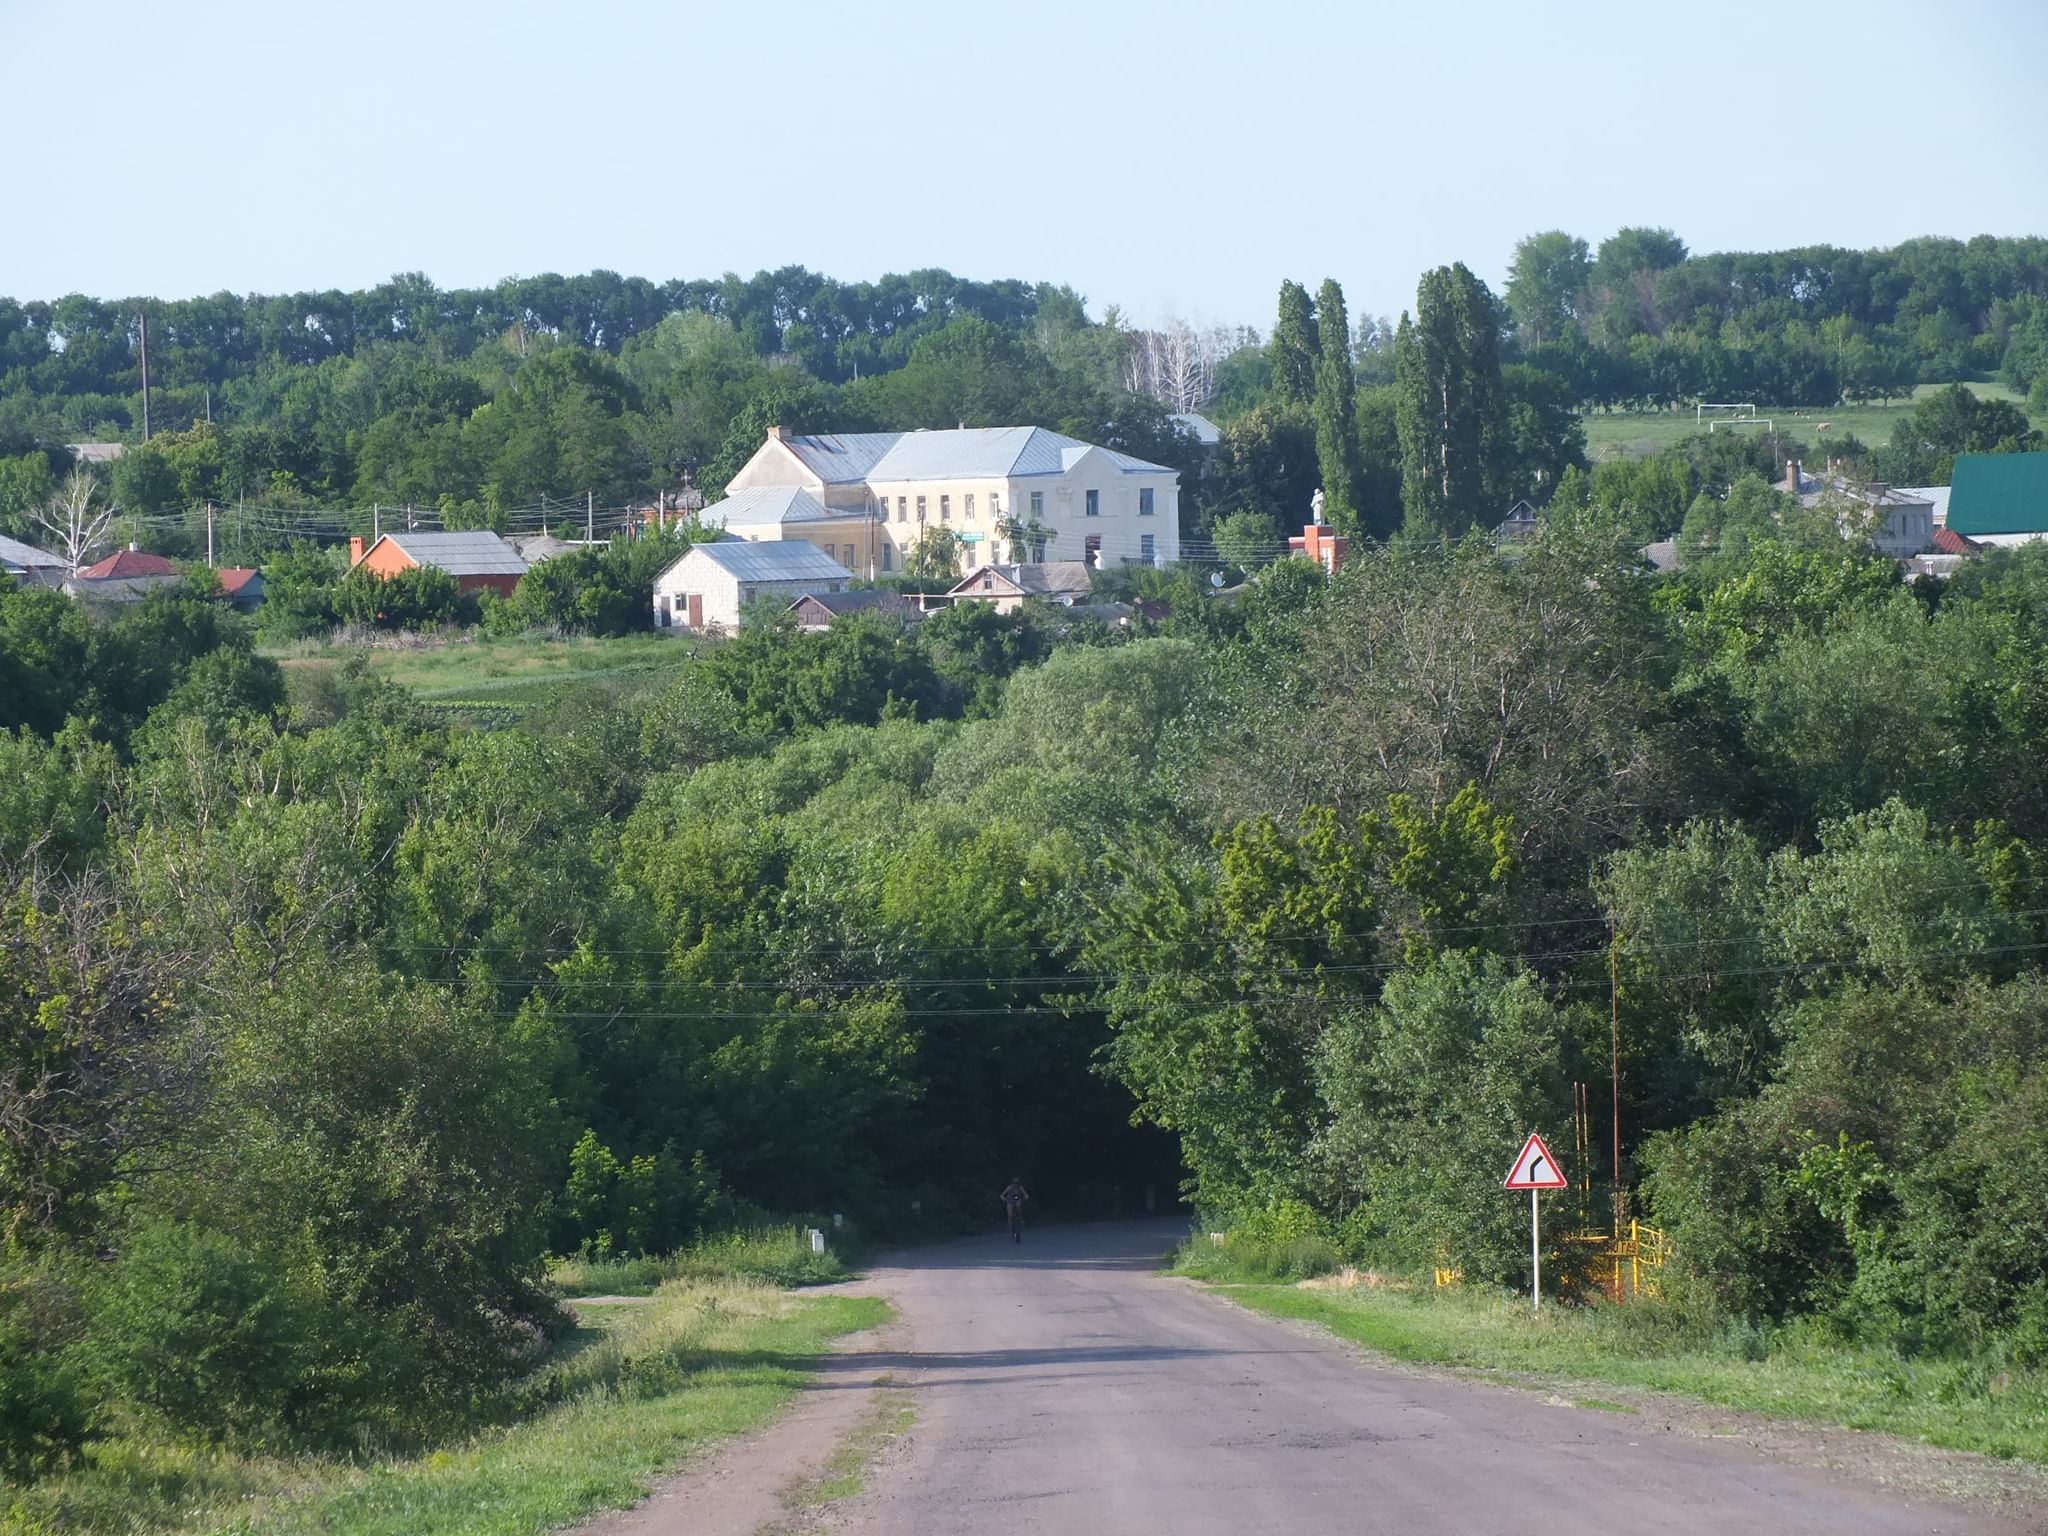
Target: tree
1336,413
1949,422
1453,408
935,558
1295,347
1176,364
1548,274
76,520
1248,540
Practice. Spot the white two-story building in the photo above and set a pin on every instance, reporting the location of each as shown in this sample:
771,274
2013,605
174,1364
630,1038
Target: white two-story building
865,498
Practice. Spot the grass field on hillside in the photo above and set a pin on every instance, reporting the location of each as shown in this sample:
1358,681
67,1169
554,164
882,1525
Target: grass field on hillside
498,680
632,1392
1639,433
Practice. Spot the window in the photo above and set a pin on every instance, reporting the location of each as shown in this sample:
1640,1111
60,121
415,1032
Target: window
920,509
1145,502
1092,552
851,557
945,509
902,509
1095,503
1037,504
888,558
967,505
1145,551
995,504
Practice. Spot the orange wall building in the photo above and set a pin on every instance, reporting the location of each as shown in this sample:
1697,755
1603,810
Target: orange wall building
479,560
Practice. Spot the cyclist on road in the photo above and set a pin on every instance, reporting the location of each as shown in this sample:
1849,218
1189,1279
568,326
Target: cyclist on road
1014,1197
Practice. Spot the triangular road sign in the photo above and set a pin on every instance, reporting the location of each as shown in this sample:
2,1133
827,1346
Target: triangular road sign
1535,1168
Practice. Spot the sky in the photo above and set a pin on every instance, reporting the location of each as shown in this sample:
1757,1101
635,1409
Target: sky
1173,159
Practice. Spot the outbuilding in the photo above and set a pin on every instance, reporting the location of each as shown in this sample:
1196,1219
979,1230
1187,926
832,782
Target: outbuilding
708,588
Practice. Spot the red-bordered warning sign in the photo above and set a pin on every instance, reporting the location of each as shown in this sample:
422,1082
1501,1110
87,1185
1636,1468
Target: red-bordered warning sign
1535,1168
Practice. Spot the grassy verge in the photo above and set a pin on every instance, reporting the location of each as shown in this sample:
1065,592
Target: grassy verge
775,1255
1794,1373
632,1392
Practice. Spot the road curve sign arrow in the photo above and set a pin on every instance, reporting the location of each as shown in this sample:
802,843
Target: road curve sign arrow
1535,1168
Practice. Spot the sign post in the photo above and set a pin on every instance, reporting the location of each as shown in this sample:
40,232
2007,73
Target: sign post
1535,1168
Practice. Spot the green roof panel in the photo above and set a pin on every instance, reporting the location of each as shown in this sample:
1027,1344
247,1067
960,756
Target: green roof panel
1999,493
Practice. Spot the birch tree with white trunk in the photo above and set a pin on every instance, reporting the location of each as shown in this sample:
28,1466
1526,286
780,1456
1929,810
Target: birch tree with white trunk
76,520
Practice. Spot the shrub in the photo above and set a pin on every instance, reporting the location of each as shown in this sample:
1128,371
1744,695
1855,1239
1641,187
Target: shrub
203,1333
45,1410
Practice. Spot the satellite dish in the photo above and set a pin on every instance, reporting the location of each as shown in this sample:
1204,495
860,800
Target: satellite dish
1216,579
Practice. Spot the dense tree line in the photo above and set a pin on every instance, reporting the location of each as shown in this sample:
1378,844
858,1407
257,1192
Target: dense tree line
1641,321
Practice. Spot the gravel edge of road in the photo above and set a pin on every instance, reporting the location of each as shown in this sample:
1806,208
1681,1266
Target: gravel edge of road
1887,1461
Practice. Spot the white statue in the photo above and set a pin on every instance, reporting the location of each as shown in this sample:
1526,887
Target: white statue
1315,506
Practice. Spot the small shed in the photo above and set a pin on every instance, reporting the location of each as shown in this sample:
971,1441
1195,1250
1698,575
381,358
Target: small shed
242,586
708,588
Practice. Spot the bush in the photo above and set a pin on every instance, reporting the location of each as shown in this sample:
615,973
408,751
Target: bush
199,1331
45,1408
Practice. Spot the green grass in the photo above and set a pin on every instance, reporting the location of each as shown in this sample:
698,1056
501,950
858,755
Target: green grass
774,1255
635,1390
846,1475
1637,434
1795,1373
495,680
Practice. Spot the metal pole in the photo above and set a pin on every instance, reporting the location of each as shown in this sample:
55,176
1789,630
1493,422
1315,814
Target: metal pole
590,517
1535,1256
209,533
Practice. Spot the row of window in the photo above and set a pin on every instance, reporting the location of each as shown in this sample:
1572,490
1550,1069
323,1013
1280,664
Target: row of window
995,507
1148,553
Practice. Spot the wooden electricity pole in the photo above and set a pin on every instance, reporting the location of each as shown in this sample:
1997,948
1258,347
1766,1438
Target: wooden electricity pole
143,317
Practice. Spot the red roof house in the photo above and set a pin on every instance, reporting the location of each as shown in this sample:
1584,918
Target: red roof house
1948,542
127,565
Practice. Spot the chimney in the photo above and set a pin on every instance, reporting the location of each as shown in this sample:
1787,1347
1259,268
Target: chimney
134,548
778,434
355,549
1792,476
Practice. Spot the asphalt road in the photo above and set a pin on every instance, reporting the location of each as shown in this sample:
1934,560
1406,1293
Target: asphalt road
1063,1386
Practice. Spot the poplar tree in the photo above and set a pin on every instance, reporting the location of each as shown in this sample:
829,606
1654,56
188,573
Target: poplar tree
1336,413
1452,407
1295,347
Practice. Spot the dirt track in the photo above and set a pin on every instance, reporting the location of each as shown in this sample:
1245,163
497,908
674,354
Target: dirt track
1064,1388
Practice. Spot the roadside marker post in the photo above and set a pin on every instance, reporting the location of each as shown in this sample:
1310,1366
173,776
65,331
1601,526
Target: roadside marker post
1535,1169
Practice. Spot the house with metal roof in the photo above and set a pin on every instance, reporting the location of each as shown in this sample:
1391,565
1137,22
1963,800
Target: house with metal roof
820,610
1008,586
478,559
709,588
29,566
998,490
2000,498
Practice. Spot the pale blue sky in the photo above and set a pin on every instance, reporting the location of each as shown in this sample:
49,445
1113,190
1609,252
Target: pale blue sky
1167,158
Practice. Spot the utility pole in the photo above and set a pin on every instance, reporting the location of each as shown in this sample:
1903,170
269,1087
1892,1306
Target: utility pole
590,517
1614,1013
209,533
376,522
143,317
